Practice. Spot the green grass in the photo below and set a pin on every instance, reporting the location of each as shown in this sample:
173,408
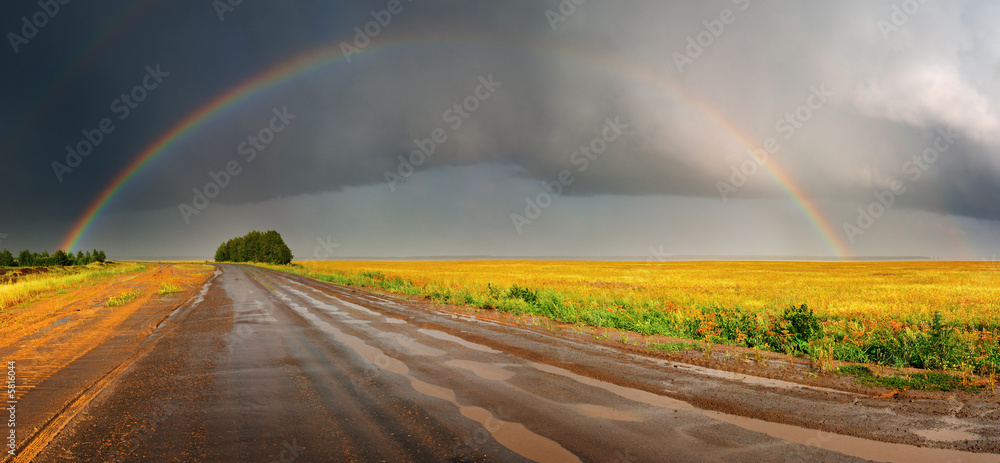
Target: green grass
122,299
929,381
675,347
168,289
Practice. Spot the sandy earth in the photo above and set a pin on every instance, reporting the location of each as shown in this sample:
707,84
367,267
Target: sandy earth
258,365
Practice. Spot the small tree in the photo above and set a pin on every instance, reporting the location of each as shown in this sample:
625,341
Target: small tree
61,258
24,259
6,259
99,256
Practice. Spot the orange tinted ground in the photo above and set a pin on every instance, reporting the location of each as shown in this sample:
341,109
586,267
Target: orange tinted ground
61,326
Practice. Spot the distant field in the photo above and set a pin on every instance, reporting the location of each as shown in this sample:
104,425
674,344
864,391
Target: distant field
936,315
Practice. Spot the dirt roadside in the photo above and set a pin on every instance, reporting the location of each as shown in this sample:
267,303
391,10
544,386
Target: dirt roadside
73,339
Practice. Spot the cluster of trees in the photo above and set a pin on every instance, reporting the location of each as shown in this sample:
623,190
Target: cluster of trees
27,258
267,247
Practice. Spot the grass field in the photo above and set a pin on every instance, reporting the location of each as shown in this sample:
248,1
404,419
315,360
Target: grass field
933,315
56,278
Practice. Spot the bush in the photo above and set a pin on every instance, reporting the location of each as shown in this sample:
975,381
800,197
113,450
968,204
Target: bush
522,293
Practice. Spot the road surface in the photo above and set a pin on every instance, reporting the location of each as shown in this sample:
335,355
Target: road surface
267,366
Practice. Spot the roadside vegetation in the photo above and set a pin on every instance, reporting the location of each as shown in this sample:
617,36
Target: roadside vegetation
123,298
267,247
28,286
928,315
167,289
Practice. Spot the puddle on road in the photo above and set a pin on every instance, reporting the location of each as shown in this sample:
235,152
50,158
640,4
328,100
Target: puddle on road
518,438
514,436
853,446
410,345
946,435
607,413
482,370
457,340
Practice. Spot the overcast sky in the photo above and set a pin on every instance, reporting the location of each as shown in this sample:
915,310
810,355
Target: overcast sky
600,129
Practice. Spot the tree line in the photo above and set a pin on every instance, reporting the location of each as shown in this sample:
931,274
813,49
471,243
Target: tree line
27,258
267,247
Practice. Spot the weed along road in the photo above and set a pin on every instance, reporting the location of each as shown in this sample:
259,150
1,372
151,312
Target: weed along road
259,365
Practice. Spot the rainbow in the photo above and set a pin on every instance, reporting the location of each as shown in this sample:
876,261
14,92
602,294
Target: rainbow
805,203
331,54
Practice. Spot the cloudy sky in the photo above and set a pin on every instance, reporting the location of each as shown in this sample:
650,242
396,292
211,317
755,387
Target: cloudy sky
514,128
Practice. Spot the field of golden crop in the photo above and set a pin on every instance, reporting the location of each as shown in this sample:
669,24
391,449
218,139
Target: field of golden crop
26,287
942,315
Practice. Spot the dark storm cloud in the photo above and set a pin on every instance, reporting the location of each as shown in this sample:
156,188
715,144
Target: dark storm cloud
892,90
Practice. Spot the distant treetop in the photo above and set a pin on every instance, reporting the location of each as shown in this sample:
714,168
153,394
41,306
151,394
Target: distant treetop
27,258
267,247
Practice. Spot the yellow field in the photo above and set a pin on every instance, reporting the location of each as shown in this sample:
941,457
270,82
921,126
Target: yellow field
867,311
965,291
56,278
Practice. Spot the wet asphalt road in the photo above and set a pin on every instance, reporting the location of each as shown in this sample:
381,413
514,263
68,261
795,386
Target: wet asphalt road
266,366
